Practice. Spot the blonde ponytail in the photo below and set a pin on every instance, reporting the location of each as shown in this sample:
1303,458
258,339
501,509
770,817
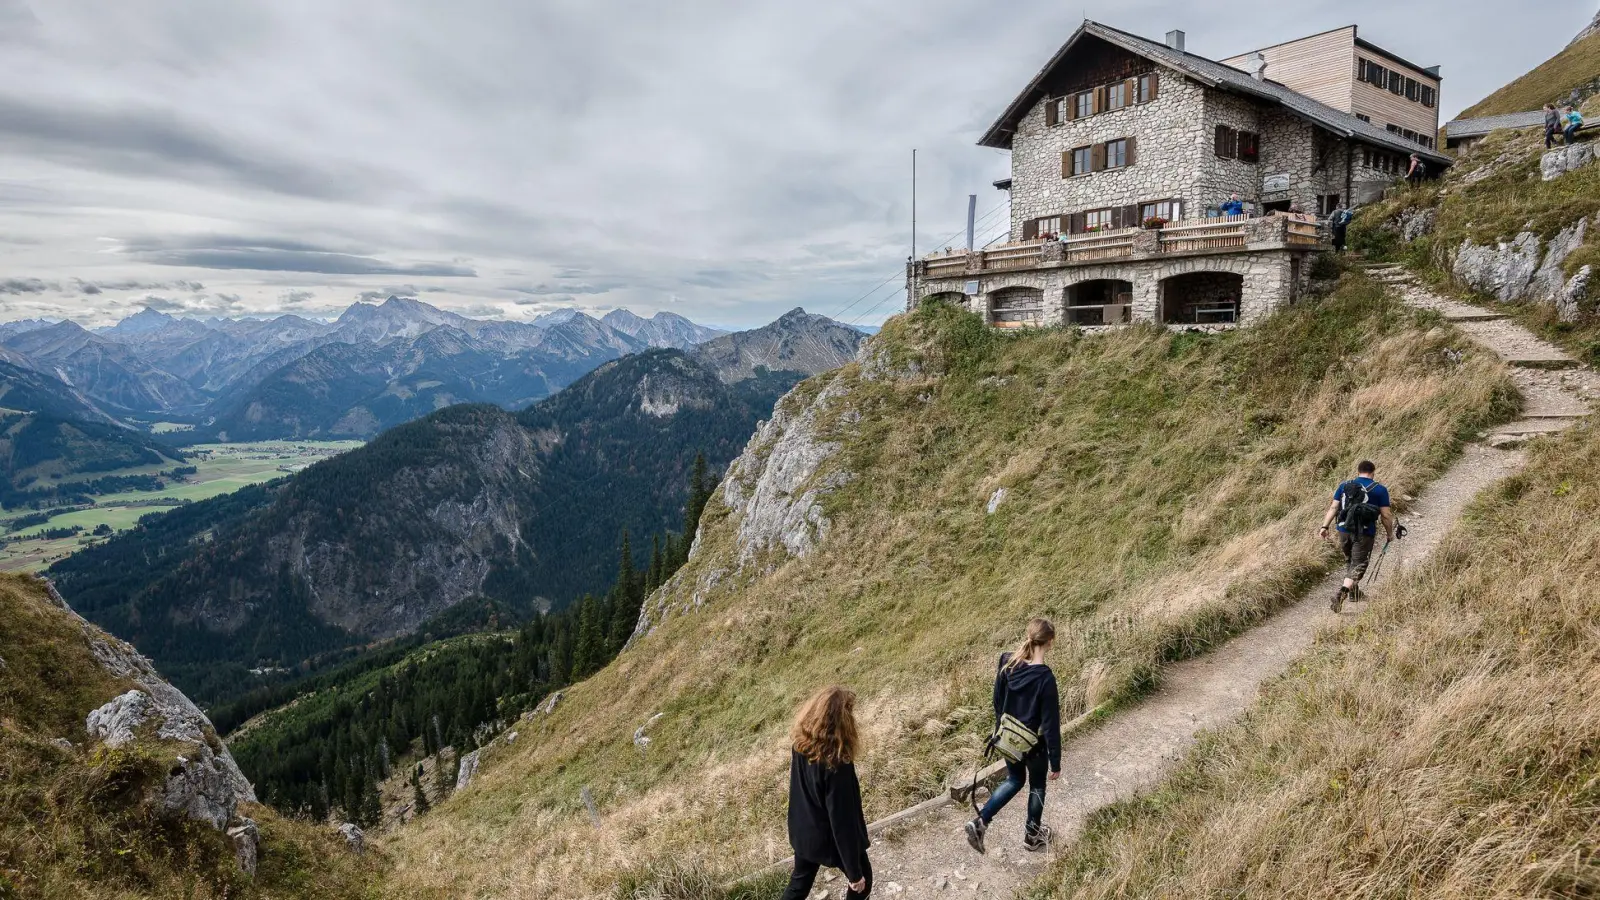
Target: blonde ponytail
1040,634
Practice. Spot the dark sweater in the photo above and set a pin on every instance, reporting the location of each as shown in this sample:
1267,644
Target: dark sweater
826,824
1030,694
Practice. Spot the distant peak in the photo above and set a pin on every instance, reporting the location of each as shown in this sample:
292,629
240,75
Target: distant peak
798,314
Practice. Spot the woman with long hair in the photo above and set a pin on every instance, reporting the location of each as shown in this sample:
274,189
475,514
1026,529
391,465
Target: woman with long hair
1025,688
826,824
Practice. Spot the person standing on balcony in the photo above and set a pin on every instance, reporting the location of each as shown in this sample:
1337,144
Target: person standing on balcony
1234,207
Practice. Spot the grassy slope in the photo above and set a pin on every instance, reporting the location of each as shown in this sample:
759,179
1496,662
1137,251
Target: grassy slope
74,824
1445,745
1551,82
1160,485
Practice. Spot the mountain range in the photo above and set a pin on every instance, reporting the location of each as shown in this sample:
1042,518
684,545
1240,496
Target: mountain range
517,510
375,366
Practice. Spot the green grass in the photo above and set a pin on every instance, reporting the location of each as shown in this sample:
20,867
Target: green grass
1551,82
1160,485
1443,745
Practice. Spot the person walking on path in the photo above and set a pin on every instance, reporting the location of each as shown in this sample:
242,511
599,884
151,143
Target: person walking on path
1572,122
1340,222
826,824
1552,125
1416,171
1359,506
1025,695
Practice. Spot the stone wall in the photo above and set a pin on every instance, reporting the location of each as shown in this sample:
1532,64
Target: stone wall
1219,178
1272,279
1170,134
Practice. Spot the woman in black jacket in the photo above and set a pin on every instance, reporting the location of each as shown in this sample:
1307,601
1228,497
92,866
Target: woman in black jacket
1026,688
826,825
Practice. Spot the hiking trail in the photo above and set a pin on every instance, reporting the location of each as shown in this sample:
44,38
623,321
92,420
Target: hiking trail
928,856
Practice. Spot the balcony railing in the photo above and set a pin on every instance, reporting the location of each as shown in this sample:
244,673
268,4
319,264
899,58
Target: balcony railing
1018,256
1220,233
1100,245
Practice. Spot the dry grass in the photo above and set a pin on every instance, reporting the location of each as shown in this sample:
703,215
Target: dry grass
76,824
1447,745
1134,460
1551,82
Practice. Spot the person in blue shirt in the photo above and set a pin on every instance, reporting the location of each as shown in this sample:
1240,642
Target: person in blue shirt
1573,120
1359,506
1234,207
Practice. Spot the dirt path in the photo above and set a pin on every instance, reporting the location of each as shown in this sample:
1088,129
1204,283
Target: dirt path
929,857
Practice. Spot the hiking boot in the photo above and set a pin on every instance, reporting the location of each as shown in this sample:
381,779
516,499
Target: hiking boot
1355,594
975,831
1339,598
1036,839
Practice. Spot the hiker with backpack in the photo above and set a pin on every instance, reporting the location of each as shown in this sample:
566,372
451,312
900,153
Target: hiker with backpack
826,824
1359,506
1027,735
1340,224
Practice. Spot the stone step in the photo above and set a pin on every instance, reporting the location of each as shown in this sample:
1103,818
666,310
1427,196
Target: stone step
1525,427
1476,315
1536,359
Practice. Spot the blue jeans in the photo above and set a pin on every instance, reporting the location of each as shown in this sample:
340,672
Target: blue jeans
1570,133
1032,771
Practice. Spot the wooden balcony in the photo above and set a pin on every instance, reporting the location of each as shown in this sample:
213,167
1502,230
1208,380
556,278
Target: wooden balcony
1229,234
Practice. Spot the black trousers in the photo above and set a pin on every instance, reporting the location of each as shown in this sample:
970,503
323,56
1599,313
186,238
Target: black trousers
1339,233
805,875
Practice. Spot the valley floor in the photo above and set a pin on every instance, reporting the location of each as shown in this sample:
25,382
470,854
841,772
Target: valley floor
1138,747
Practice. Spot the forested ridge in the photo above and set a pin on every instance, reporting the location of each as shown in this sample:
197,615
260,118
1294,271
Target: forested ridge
342,732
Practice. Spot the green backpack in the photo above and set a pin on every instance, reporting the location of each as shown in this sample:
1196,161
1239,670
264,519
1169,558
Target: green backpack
1011,739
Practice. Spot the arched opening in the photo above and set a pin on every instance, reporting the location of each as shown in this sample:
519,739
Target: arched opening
1201,298
954,298
1102,301
1017,307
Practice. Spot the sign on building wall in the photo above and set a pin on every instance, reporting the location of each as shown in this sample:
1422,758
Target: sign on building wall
1275,183
972,289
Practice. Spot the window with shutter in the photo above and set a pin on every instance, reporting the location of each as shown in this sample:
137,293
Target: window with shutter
1430,97
1097,220
1083,105
1116,96
1249,146
1066,164
1099,95
1413,90
1082,161
1149,87
1098,157
1052,111
1030,229
1116,154
1227,142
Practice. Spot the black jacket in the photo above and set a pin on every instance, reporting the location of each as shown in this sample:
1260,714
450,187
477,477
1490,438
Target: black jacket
826,824
1030,694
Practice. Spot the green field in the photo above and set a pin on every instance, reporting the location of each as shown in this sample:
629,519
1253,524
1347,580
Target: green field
223,468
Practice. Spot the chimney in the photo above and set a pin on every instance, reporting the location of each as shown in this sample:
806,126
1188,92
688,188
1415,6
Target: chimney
1258,66
1175,40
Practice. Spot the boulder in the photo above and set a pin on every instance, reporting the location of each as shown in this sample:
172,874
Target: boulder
1550,281
354,837
1503,270
1574,296
246,839
469,768
1417,223
1558,162
997,498
640,740
199,787
116,721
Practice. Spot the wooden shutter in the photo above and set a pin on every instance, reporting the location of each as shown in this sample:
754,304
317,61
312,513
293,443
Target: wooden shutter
1130,216
1077,223
1218,144
1030,229
1052,109
1099,100
1155,85
1097,158
1133,150
1066,164
1130,92
1072,107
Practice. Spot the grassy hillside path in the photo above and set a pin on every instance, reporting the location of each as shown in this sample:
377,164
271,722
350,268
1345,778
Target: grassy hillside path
1134,750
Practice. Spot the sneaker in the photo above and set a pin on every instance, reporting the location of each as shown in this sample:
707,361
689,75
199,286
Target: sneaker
1037,839
1338,599
975,830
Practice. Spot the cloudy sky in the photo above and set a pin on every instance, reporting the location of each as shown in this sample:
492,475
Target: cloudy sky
725,159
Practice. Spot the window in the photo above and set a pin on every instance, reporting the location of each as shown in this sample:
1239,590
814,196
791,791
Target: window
1393,129
1364,117
1374,74
1081,160
1397,84
1170,210
1148,86
1327,203
1097,220
1052,225
1116,95
1249,146
1430,97
1117,154
1083,105
1232,143
1413,90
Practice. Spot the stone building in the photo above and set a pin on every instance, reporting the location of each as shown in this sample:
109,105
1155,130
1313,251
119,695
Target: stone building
1122,151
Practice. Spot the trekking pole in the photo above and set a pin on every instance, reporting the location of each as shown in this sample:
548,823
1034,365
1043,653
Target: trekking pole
1399,533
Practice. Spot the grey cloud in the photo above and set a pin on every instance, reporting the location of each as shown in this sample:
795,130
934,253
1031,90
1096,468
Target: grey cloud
403,290
99,287
149,141
726,278
163,304
26,286
546,290
275,255
291,298
480,310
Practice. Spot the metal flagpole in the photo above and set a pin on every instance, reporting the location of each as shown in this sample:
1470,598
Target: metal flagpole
913,203
972,212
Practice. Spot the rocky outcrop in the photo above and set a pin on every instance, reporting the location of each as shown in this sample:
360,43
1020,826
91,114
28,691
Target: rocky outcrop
468,768
1417,223
1574,298
776,486
1591,29
246,839
354,837
1519,269
1558,162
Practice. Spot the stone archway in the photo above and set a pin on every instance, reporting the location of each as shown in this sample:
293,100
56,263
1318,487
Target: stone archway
1202,297
1099,301
1016,307
954,298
